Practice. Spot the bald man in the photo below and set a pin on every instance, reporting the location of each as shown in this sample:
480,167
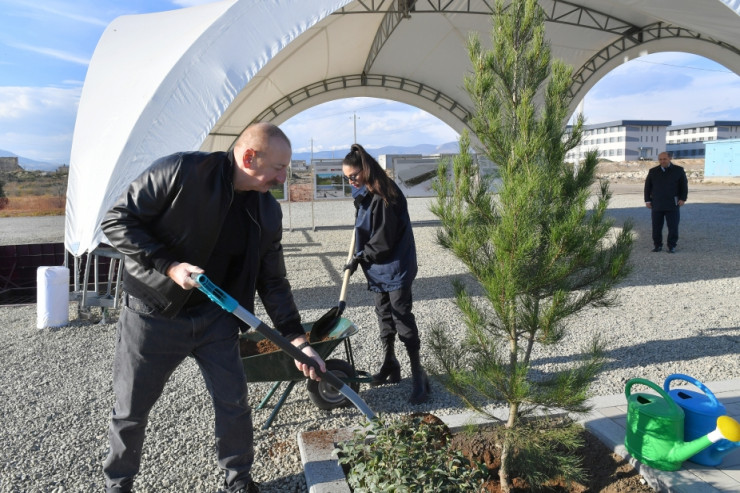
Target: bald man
666,190
196,212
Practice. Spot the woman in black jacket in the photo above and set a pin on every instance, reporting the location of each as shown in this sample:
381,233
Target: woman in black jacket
385,248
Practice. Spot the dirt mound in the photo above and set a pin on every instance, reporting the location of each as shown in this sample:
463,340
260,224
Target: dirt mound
637,170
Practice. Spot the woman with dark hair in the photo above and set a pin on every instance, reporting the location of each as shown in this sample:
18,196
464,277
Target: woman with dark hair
385,248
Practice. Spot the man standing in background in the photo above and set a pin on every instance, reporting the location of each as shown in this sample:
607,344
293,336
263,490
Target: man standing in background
666,190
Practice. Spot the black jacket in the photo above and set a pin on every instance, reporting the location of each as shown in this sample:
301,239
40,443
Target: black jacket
665,188
385,242
174,212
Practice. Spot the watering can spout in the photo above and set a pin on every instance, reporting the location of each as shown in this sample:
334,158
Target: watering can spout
727,428
721,448
725,446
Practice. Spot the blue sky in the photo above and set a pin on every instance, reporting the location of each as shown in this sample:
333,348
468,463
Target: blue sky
46,45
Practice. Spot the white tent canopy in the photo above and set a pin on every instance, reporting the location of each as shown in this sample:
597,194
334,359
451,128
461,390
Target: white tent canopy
194,78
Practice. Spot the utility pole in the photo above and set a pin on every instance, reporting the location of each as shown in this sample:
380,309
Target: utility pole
354,117
579,152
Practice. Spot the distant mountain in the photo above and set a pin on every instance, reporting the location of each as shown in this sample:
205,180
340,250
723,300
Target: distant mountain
423,149
30,164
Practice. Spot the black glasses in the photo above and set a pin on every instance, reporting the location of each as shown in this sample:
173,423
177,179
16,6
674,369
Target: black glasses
352,177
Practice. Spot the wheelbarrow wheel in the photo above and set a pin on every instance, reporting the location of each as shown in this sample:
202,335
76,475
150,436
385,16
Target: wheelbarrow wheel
326,396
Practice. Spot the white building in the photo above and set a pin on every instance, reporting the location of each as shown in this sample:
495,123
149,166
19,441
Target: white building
623,140
687,141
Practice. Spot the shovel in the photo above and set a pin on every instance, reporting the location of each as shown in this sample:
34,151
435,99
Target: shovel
218,296
328,320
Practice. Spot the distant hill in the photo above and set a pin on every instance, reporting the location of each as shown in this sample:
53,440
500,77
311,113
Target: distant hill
30,164
424,149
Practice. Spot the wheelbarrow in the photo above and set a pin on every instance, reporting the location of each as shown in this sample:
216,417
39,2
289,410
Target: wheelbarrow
279,367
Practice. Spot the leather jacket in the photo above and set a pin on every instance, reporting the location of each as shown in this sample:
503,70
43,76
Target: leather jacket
174,212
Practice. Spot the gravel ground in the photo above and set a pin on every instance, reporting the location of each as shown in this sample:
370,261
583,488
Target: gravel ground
678,313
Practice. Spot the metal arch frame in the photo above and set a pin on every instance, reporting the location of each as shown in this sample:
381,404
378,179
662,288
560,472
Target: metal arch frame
361,80
558,11
396,10
651,33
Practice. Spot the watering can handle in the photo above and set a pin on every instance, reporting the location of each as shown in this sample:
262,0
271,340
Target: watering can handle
693,381
653,386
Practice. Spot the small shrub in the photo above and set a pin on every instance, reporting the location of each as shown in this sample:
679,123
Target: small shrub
3,198
404,456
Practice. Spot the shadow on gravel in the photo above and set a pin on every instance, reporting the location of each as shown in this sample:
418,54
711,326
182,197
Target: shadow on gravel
712,343
707,249
707,246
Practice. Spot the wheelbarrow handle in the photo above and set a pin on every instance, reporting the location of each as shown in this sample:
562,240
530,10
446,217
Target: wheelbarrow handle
228,303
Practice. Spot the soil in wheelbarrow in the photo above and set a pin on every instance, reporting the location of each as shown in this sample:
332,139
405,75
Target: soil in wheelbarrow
253,348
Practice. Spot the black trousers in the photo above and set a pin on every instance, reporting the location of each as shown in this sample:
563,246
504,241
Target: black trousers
671,218
395,317
149,347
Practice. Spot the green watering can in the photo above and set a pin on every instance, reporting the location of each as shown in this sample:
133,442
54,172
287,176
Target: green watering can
655,429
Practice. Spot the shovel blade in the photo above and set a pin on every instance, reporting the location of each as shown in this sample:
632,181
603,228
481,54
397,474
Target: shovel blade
325,324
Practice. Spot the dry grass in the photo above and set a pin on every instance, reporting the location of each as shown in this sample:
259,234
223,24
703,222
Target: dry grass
34,205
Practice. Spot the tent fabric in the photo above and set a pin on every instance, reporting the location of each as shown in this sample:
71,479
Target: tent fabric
194,78
157,83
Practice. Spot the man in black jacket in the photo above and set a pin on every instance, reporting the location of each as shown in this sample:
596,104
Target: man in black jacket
666,190
193,213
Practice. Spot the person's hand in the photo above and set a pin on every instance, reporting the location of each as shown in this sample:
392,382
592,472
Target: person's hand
308,370
681,203
649,205
180,272
352,265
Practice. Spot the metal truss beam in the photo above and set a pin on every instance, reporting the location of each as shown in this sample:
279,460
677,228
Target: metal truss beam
360,80
653,32
556,11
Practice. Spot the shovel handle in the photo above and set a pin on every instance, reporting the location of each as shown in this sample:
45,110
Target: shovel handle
345,281
228,303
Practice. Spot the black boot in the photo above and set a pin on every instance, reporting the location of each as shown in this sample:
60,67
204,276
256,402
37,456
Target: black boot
390,371
419,380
